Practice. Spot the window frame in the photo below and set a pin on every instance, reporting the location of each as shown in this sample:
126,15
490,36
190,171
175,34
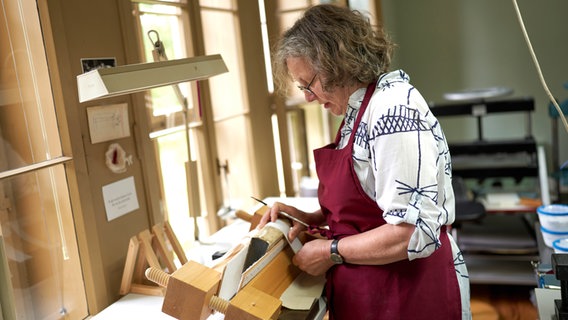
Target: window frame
48,169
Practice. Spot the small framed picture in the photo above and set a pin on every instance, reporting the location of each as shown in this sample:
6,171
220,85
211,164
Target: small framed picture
89,64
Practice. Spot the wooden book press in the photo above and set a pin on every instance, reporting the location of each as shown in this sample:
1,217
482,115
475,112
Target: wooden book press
195,291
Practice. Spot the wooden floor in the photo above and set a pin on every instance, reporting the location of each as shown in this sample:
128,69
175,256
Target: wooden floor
492,302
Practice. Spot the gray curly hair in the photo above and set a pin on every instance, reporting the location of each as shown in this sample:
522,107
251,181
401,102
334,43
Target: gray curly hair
339,43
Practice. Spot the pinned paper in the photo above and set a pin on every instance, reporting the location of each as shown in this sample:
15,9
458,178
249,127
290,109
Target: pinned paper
120,198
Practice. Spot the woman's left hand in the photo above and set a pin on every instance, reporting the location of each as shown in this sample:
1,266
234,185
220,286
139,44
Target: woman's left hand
314,257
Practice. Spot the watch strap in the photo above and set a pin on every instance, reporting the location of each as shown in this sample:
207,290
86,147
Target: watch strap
333,248
334,252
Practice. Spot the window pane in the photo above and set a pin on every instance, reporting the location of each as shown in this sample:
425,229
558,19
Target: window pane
234,148
39,241
232,127
173,156
226,89
28,127
219,4
293,5
163,23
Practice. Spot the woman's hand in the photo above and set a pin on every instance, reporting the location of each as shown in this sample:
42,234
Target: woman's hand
314,257
272,215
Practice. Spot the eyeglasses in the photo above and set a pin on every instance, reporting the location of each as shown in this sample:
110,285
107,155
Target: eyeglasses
307,88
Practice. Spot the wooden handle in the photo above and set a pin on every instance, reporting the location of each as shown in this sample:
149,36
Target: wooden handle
243,215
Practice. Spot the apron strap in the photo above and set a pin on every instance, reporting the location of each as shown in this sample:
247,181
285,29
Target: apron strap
364,103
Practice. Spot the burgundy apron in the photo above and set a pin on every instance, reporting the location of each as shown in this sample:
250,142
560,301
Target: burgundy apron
424,288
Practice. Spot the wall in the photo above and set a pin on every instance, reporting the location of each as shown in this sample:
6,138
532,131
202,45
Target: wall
89,29
448,45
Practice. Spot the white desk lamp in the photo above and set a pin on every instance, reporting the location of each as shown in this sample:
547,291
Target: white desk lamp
127,79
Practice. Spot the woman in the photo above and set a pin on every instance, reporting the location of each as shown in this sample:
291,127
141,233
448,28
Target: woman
385,183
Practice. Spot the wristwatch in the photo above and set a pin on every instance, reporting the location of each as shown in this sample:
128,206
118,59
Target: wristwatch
335,256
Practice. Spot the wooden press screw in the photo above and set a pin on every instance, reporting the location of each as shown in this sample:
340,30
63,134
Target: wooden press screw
162,278
219,304
157,276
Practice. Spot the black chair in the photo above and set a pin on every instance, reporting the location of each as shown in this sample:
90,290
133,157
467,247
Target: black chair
467,208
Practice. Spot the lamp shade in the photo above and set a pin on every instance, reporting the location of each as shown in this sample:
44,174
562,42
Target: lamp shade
109,82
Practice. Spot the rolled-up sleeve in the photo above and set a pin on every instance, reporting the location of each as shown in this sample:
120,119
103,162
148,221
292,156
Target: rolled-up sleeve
407,165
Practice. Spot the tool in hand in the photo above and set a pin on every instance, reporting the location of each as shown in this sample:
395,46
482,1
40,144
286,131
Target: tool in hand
284,214
311,229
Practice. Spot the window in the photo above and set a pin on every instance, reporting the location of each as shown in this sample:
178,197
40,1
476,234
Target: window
177,148
231,103
40,271
218,161
301,126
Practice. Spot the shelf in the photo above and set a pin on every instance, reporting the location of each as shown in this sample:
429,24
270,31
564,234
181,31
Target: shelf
498,233
483,107
478,109
491,270
505,158
517,173
526,145
500,247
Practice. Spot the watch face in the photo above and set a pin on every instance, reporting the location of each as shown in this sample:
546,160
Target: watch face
336,258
